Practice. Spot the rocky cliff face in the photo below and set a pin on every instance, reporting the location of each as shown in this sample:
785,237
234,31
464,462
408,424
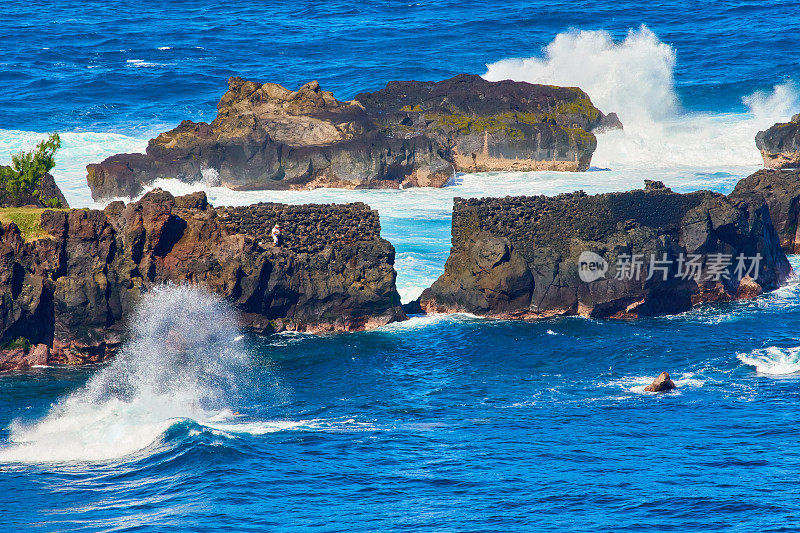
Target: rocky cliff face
64,299
574,254
780,144
409,134
780,189
46,191
485,125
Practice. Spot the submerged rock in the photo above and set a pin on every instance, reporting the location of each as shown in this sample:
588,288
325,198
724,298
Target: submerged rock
661,383
617,255
780,144
72,291
408,134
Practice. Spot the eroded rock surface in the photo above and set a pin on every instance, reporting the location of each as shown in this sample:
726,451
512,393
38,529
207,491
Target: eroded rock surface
408,134
662,383
780,189
780,144
519,257
72,292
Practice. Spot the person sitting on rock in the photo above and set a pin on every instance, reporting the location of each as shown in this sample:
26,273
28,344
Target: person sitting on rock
276,234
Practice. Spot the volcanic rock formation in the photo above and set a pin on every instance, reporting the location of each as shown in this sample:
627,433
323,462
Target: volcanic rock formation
574,254
72,291
780,189
780,144
409,134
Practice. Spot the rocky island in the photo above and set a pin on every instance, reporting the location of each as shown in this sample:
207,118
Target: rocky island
780,144
408,134
68,284
519,257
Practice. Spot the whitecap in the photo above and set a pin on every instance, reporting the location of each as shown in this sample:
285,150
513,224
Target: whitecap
773,360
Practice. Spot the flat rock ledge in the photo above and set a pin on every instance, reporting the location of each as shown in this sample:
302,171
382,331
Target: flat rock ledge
410,134
64,298
618,255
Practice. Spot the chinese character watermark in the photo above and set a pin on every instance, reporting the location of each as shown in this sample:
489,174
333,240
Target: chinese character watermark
714,267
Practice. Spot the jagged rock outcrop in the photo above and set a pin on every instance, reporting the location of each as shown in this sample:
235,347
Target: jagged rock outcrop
780,144
46,191
72,292
409,134
780,189
484,126
662,383
574,254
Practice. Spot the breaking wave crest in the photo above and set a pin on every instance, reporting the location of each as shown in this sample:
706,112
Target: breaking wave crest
635,78
773,360
182,363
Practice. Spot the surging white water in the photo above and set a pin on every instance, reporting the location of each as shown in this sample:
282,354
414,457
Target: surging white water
773,360
183,361
635,78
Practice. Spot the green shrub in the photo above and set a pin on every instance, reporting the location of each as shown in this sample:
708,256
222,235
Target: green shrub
21,179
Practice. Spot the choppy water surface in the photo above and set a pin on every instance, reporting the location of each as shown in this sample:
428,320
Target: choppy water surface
438,423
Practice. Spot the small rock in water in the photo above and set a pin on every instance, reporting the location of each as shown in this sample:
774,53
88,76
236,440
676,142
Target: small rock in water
661,383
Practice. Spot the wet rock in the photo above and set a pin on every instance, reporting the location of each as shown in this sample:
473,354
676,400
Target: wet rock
780,144
661,384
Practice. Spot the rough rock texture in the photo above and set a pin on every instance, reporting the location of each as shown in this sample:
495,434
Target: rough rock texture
780,144
73,291
485,125
518,257
661,383
780,189
409,134
48,190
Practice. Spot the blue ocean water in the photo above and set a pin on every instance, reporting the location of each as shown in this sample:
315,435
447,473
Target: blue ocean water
439,423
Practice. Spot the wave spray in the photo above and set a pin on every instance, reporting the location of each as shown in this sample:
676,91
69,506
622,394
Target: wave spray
182,362
634,77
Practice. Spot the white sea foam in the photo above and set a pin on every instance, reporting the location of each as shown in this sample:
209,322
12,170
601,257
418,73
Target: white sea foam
78,149
181,364
637,384
635,78
773,360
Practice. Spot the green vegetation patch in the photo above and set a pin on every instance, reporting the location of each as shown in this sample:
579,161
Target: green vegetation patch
27,219
21,179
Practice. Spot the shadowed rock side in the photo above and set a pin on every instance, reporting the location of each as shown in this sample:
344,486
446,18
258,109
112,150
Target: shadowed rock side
518,257
486,126
69,295
780,189
780,144
46,191
409,134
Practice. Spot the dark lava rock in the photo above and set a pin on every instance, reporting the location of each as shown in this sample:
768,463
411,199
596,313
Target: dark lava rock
661,384
46,190
73,291
523,257
780,144
408,134
483,125
780,189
